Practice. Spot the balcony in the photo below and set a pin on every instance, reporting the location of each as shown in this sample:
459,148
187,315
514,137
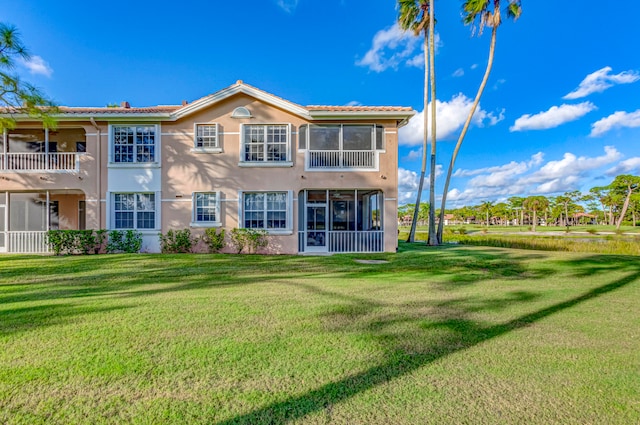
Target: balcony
365,159
27,162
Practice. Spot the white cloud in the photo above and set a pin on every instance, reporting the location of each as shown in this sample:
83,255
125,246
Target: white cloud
287,5
458,72
354,103
601,80
534,176
619,119
37,65
414,155
563,173
554,117
474,66
628,166
450,117
408,182
392,47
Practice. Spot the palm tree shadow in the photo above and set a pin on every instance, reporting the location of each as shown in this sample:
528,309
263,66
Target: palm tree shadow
405,356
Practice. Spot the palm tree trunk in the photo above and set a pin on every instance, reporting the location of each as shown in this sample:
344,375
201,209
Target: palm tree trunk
625,206
535,220
425,134
433,239
465,128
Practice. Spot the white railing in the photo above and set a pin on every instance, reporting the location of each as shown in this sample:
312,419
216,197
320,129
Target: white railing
26,242
39,162
350,241
342,159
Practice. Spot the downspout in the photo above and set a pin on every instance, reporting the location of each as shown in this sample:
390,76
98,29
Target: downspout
99,168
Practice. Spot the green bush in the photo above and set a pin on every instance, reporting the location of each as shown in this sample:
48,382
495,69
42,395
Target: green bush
128,241
252,239
75,241
213,239
178,241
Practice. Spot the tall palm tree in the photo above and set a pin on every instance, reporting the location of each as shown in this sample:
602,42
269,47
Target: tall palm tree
417,16
535,204
486,207
480,13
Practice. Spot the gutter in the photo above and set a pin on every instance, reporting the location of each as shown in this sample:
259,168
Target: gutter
99,167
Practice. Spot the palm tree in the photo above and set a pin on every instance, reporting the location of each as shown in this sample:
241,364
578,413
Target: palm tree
413,16
486,207
418,17
487,14
535,204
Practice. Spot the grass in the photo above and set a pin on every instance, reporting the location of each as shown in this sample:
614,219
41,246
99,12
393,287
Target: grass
448,335
595,240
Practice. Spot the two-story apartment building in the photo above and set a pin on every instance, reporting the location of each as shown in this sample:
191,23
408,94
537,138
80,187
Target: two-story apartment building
316,178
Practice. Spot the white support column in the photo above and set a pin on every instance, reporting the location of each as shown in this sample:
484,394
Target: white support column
47,213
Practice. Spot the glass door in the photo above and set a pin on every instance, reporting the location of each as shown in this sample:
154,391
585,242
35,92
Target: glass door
316,240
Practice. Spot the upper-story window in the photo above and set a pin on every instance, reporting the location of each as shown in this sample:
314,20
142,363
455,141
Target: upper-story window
206,136
265,143
134,143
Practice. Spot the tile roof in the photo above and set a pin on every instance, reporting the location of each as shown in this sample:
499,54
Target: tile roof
119,110
359,108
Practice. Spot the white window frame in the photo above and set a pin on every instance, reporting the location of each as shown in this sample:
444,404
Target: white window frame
135,211
287,230
135,162
265,162
194,210
215,147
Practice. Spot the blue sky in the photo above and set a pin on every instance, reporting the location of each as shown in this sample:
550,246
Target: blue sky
561,110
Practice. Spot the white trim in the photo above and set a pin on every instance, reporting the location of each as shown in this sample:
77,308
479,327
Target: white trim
266,164
157,146
194,222
206,150
176,200
391,199
216,137
240,88
289,212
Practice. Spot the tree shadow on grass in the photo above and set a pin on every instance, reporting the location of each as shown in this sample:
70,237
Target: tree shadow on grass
28,318
407,352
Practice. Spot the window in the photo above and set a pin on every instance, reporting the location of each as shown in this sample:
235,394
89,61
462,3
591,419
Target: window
265,143
134,211
133,144
206,208
265,210
206,136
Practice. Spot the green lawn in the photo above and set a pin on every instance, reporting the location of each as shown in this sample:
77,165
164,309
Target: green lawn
436,335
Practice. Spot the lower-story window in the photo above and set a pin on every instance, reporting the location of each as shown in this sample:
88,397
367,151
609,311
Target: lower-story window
134,211
265,210
206,208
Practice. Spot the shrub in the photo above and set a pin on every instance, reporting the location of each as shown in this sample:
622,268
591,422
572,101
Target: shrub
252,239
176,241
128,241
592,231
462,230
73,241
213,239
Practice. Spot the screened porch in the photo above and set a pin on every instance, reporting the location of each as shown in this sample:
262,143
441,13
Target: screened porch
25,218
333,221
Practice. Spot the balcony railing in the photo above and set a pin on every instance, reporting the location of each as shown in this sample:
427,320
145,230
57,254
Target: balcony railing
341,159
40,162
25,242
350,241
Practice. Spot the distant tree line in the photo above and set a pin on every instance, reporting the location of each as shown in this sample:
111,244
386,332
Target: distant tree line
615,204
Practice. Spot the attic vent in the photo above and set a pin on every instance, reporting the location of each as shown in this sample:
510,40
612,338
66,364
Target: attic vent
241,112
